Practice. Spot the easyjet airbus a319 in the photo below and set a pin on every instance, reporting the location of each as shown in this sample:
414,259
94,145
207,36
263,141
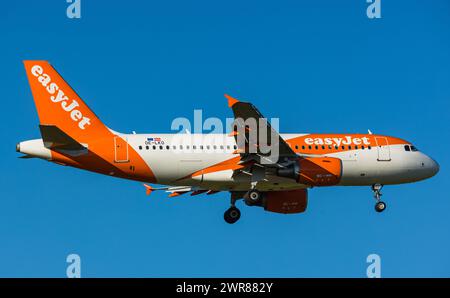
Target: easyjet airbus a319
253,162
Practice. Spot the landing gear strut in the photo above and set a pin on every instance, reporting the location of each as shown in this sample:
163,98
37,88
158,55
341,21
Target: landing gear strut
380,206
251,198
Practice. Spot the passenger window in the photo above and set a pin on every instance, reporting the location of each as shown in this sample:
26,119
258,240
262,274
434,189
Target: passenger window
317,147
369,147
343,147
349,147
201,147
161,147
329,146
228,147
336,147
309,147
362,147
146,147
167,147
296,147
194,147
235,147
407,148
140,147
303,147
356,147
181,147
323,147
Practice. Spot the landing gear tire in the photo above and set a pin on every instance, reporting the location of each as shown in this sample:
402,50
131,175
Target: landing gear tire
253,197
380,206
232,215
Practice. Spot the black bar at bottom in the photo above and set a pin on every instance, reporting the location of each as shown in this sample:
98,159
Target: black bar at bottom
227,286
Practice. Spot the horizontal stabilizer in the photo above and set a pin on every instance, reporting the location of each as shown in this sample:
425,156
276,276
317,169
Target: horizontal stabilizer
175,191
27,156
55,139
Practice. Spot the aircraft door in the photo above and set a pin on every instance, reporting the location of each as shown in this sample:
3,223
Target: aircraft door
120,150
384,153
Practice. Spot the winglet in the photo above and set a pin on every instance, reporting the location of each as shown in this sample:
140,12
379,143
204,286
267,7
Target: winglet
149,189
231,100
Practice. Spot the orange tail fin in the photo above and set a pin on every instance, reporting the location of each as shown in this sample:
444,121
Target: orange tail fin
58,104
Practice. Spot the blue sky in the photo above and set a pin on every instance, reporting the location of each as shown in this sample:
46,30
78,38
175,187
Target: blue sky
320,66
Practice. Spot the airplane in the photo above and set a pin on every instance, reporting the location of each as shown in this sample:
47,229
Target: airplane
236,162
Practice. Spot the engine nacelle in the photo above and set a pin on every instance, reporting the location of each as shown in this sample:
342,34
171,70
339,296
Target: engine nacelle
288,201
315,171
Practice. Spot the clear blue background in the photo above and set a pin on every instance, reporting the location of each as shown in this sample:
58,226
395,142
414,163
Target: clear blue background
320,66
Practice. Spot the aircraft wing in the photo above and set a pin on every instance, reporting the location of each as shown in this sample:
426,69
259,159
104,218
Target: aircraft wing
261,146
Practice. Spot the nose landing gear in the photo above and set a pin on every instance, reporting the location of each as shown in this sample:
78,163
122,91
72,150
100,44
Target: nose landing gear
380,206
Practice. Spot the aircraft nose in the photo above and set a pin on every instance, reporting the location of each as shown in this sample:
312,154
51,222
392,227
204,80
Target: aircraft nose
430,166
434,166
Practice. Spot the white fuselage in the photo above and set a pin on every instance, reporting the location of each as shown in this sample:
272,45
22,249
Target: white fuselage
176,156
173,158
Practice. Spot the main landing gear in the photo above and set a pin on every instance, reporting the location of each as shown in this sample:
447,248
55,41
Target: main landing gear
251,198
380,206
233,214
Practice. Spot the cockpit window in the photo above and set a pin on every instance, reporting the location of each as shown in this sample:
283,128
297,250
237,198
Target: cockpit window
414,148
407,148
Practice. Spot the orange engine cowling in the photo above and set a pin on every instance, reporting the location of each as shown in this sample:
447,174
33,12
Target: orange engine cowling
288,201
320,171
314,171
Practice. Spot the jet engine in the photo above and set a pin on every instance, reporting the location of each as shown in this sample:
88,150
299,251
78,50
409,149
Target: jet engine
314,171
288,201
